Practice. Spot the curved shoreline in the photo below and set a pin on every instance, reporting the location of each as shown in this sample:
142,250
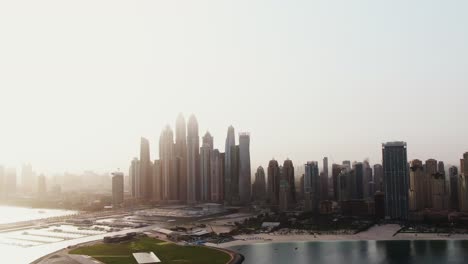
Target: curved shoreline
375,233
236,258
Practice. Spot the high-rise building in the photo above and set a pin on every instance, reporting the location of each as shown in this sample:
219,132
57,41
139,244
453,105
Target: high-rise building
288,175
358,181
336,169
230,142
441,168
324,180
169,188
312,187
439,191
345,184
235,168
273,183
416,186
157,181
245,184
206,152
135,178
347,164
27,178
146,171
378,177
431,170
181,156
368,181
193,161
117,188
284,192
259,186
41,186
453,174
217,176
395,166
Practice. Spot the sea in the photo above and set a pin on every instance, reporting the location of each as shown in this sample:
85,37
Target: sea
27,245
359,252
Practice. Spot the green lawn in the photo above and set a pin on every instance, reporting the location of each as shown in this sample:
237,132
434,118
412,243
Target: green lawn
168,253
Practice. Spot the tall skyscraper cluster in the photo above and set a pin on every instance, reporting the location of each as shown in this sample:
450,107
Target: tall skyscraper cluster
190,172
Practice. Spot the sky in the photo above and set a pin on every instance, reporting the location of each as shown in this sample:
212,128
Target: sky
82,81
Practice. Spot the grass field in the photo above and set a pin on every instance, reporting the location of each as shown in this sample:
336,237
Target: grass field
168,253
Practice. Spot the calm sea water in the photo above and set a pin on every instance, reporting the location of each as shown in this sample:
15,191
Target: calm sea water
12,214
362,252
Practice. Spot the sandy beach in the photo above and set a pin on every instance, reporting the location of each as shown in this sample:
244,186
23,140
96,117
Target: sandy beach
382,232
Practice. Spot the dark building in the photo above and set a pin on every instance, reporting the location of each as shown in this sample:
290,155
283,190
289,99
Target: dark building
288,174
358,189
235,168
273,183
379,203
378,177
259,186
117,188
146,171
336,169
396,182
453,174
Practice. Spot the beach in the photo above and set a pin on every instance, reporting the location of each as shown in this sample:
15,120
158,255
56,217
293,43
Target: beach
377,232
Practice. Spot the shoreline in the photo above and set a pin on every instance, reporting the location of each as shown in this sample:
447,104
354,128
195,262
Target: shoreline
387,232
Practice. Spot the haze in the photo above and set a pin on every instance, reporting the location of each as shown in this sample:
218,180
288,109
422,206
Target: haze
82,81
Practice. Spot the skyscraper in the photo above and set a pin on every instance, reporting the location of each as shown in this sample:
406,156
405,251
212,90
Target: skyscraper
230,142
395,166
181,156
288,175
135,178
169,188
324,180
378,177
463,184
284,192
416,194
117,188
312,187
217,176
453,174
336,169
10,182
235,168
157,181
273,183
431,171
193,161
259,186
244,170
206,152
368,181
358,181
146,171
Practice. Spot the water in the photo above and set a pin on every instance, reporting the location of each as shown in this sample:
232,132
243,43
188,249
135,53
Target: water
362,252
28,244
13,214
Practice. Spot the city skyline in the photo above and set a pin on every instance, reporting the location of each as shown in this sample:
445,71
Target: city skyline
80,94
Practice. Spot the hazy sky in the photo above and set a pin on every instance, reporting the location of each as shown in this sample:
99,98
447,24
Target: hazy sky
81,81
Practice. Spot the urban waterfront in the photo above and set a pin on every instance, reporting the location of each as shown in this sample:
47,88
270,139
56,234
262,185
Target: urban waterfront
362,252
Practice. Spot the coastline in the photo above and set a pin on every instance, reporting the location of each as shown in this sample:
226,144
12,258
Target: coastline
375,233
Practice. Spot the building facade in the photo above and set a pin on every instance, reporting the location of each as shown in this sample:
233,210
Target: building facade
396,182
